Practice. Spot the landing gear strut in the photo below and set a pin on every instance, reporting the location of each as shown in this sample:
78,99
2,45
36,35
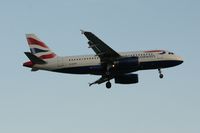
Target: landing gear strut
160,73
108,85
108,69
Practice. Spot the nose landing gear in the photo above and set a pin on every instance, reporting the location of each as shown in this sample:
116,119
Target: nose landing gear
160,73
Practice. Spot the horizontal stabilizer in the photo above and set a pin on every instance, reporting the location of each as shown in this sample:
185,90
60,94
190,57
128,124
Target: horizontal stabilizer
34,58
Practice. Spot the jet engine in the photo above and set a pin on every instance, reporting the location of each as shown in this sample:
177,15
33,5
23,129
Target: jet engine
127,79
125,65
127,62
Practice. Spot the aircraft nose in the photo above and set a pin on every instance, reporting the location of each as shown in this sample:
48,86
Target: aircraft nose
180,60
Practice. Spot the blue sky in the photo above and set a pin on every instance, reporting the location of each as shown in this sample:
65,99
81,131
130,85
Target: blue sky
50,102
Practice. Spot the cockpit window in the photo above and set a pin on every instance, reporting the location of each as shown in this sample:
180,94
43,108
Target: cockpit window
171,53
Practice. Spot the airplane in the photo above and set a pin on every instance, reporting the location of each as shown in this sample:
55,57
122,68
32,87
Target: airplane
106,62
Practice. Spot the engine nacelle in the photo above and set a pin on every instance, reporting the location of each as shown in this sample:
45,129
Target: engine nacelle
127,79
128,62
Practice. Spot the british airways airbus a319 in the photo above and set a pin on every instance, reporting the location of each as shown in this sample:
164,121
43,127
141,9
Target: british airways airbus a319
106,62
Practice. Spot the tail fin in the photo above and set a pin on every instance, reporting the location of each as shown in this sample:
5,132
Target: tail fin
39,48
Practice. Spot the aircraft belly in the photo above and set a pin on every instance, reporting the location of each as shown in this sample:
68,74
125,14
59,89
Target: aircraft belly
158,64
96,70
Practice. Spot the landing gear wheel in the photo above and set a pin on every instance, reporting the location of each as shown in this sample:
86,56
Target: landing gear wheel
161,76
160,73
108,85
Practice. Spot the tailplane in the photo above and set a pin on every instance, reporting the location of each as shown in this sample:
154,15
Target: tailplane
34,59
38,48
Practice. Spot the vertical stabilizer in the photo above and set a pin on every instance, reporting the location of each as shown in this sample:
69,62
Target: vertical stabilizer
39,48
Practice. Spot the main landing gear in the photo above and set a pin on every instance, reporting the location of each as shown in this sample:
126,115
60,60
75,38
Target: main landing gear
108,72
160,73
108,85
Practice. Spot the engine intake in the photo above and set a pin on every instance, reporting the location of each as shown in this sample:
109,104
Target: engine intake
127,79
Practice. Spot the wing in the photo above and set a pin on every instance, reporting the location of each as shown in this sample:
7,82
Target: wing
100,48
106,54
101,80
